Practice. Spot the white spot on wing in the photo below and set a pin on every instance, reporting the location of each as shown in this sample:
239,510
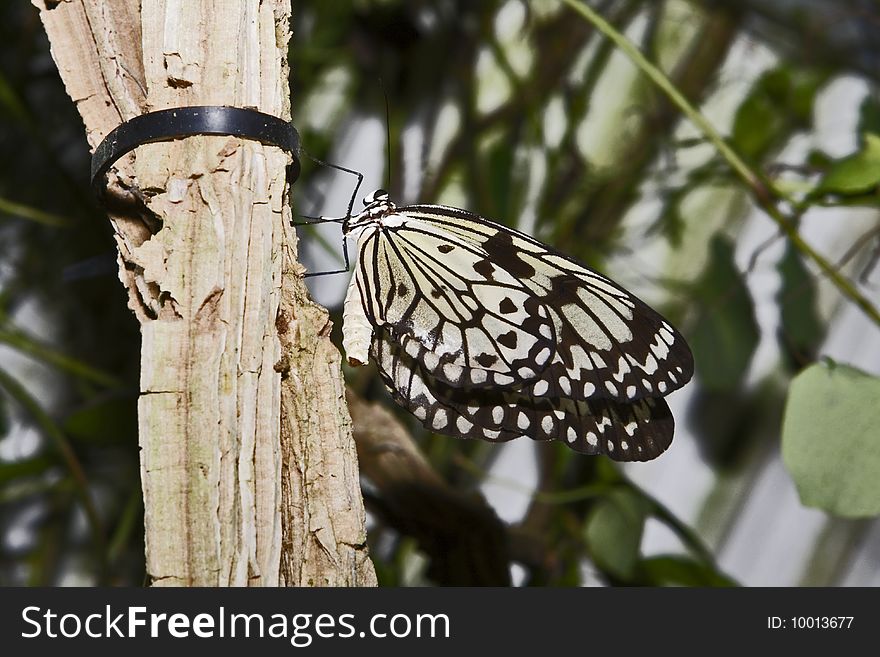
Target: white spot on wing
498,414
431,360
462,424
541,387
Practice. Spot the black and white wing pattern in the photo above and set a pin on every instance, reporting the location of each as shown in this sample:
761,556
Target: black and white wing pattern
484,332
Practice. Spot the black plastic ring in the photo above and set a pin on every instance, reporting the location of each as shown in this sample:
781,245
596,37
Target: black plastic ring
169,124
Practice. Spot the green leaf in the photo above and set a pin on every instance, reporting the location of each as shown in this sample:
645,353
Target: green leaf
801,330
614,531
779,101
831,440
725,334
674,570
857,174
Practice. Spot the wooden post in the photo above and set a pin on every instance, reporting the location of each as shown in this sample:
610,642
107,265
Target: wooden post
248,467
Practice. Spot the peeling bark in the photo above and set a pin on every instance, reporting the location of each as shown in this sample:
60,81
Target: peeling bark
248,467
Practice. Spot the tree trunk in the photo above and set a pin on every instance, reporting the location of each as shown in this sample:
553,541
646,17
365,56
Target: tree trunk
248,467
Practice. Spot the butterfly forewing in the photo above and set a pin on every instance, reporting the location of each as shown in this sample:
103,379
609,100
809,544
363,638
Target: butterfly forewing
608,342
472,322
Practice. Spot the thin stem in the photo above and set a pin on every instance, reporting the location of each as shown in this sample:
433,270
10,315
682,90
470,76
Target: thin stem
766,195
32,214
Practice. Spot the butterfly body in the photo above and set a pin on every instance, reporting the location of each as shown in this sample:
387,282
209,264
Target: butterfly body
484,332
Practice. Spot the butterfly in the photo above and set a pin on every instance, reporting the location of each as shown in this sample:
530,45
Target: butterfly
481,331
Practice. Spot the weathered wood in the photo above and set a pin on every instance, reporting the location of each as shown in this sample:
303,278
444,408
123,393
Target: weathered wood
248,467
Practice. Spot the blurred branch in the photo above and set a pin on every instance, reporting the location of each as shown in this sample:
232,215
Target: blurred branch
763,191
31,347
56,435
32,214
840,33
556,41
598,219
466,542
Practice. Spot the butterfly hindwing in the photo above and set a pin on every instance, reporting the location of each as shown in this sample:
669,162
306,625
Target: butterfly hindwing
626,432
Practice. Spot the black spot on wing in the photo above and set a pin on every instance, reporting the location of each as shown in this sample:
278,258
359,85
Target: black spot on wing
506,307
501,250
508,339
484,268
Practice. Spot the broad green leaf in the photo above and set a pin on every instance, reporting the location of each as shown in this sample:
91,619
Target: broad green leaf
831,439
675,570
801,329
857,174
725,334
614,531
779,101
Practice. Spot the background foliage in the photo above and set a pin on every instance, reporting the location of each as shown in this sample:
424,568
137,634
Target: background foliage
525,113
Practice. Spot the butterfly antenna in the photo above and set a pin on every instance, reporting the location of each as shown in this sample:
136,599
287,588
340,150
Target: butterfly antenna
344,220
387,135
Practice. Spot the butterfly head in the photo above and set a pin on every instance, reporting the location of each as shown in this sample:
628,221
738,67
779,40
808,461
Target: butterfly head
377,205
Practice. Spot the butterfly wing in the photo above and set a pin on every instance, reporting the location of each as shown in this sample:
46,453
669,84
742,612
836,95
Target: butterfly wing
636,431
468,325
608,343
483,332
